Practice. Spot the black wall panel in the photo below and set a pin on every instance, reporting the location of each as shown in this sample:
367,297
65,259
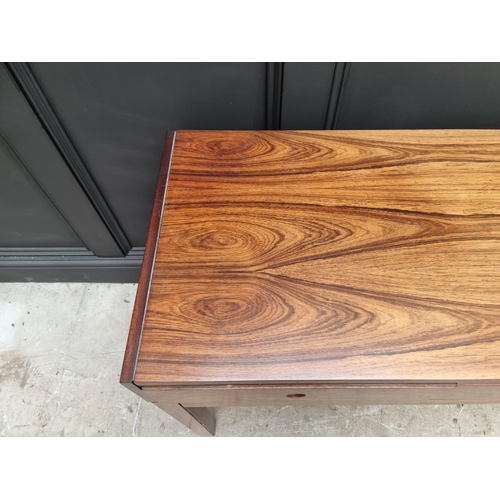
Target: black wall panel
420,95
306,94
27,217
38,156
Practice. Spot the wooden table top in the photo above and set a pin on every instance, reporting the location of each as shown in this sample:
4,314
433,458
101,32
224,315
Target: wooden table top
327,256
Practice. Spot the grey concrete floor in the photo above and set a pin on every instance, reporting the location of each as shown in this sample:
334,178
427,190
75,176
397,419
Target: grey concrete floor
61,349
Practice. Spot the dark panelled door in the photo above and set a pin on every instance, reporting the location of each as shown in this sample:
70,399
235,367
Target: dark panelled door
41,197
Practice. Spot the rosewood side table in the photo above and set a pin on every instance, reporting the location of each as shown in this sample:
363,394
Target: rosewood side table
316,268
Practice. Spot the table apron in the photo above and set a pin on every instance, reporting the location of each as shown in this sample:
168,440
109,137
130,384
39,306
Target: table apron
342,394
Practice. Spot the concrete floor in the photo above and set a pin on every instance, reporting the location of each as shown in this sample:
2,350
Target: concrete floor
61,349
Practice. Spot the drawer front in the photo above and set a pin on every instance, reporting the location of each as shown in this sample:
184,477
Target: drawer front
345,394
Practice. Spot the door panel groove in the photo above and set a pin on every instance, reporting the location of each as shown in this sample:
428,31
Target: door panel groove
34,93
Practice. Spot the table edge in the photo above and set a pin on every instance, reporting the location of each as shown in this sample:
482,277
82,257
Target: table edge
141,299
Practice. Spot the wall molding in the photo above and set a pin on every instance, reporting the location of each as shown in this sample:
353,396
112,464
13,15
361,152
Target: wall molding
32,90
34,151
274,92
338,84
68,265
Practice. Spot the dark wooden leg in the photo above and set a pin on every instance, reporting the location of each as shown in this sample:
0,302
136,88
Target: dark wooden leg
199,420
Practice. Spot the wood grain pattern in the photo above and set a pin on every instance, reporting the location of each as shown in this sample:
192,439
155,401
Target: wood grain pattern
326,257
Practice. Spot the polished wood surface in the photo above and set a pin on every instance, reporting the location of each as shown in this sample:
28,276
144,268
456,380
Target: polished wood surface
327,257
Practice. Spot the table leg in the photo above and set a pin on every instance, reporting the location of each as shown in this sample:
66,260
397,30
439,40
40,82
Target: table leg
199,420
